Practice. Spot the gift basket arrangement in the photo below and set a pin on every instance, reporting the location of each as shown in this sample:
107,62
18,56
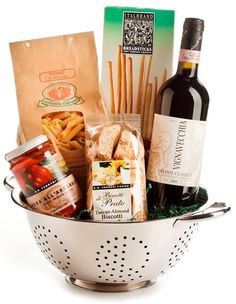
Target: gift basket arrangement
109,178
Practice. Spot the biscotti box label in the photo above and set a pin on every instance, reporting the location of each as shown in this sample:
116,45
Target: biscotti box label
137,59
111,191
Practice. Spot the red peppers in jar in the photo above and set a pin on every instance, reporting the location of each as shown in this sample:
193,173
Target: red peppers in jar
44,178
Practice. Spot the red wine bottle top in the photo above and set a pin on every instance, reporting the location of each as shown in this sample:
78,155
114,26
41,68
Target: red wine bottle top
195,24
192,34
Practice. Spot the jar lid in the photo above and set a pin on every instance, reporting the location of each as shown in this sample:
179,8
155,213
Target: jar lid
26,147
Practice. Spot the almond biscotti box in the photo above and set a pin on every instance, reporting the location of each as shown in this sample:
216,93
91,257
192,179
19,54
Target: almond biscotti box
137,59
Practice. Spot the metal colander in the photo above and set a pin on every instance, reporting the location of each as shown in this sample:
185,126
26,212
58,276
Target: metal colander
114,256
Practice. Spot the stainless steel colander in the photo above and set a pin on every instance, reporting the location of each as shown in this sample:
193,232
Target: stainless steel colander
114,256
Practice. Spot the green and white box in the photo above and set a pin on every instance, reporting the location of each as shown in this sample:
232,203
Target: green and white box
137,59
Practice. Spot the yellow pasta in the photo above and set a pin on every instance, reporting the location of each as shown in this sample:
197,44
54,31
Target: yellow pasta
63,134
67,120
53,130
75,122
76,145
66,129
47,131
56,121
73,132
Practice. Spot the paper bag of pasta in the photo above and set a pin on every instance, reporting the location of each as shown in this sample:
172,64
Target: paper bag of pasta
137,59
116,178
57,86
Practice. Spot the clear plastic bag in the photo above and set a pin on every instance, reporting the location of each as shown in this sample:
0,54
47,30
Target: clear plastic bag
116,177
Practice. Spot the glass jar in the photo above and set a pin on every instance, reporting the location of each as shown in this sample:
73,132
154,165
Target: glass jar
44,177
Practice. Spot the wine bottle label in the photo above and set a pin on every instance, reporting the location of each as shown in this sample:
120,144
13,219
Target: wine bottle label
191,56
176,151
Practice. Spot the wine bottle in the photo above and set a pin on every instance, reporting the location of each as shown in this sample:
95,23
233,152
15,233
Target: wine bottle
179,127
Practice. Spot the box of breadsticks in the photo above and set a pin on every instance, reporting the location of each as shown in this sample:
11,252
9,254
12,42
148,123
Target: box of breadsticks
137,59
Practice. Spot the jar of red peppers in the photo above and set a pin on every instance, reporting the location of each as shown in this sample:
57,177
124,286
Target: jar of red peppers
44,177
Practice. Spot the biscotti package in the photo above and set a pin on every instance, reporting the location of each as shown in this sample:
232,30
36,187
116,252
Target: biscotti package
137,59
57,86
116,189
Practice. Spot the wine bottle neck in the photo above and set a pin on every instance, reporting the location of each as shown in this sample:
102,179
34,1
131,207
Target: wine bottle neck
187,69
190,48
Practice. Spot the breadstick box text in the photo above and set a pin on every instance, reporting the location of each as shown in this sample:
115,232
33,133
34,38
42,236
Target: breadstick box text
137,59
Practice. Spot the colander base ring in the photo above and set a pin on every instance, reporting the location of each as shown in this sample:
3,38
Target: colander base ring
105,287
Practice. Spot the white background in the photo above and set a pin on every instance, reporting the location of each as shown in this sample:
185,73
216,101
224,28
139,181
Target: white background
207,273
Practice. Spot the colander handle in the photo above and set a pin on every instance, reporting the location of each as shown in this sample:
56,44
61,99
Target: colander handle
10,183
213,211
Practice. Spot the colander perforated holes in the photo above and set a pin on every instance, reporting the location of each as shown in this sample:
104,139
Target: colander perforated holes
45,237
181,245
115,252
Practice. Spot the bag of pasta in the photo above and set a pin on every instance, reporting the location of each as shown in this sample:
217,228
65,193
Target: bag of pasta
116,178
57,86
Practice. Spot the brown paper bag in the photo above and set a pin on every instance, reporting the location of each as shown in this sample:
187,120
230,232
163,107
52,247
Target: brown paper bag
57,86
